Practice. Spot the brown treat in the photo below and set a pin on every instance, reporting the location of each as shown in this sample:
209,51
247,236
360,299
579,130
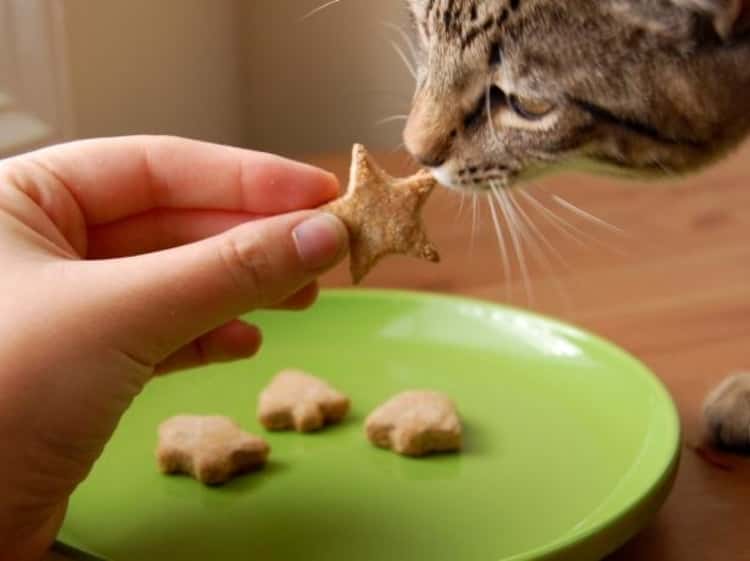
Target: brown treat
211,449
382,214
295,400
416,423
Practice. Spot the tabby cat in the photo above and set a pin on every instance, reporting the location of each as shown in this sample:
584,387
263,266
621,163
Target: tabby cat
509,89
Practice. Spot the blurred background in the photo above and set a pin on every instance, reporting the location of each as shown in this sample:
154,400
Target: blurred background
253,73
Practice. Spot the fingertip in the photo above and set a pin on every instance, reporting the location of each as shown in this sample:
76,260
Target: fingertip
323,182
321,241
308,296
302,299
240,340
332,184
276,184
233,341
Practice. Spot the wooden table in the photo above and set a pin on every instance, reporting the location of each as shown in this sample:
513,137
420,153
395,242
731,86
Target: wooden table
674,290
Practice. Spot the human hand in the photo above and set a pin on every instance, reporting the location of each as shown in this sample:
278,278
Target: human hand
126,258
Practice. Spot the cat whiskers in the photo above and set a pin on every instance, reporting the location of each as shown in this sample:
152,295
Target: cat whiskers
391,119
595,220
517,238
410,66
501,197
507,271
537,241
569,230
538,234
586,215
560,224
474,221
407,40
319,9
461,205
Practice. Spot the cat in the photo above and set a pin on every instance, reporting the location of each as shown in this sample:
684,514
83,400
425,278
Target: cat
511,89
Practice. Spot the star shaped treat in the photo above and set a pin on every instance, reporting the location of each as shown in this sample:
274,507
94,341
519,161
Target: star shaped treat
383,214
211,449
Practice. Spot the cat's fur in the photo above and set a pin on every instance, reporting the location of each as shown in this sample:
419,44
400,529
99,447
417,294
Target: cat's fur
636,86
508,89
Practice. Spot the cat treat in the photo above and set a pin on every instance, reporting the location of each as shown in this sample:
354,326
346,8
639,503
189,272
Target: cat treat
211,449
416,423
299,401
383,214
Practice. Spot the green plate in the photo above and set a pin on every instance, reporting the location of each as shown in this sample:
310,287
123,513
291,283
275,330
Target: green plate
571,446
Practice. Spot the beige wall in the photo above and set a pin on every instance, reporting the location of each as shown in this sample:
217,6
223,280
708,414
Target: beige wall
324,82
246,72
156,66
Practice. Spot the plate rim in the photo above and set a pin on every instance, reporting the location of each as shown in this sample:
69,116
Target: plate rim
658,490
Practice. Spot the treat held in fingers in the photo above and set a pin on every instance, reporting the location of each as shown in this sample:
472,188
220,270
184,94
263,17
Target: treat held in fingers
383,214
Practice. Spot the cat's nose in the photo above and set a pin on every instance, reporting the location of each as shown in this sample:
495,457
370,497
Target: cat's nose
431,160
429,134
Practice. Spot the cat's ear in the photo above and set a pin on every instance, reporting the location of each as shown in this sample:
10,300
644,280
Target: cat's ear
727,17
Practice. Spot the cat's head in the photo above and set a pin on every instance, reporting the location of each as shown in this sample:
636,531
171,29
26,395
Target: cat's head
508,89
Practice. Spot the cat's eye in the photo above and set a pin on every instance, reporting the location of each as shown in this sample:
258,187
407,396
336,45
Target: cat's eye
530,109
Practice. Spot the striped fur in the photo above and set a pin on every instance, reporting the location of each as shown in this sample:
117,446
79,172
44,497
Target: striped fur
510,88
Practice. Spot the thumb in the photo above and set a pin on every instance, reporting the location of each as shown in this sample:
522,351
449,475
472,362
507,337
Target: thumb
166,299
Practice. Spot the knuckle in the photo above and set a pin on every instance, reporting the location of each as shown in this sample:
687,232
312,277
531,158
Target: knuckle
248,264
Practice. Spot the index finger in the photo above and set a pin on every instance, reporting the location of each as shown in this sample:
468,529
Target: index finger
114,178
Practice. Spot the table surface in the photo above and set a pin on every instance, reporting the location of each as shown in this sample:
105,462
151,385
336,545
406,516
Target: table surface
672,286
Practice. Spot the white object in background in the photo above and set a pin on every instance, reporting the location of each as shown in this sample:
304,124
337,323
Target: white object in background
35,105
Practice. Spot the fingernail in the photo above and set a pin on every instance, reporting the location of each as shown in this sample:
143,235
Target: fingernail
319,240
